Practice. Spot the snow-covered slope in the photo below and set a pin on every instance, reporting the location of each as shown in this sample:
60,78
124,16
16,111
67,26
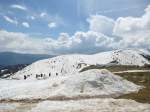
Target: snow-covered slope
124,57
86,105
92,105
71,64
88,84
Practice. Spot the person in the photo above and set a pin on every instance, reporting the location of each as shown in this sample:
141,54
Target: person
25,77
36,75
49,74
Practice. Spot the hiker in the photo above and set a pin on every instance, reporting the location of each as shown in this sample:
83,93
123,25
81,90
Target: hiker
56,74
49,74
43,75
36,75
25,77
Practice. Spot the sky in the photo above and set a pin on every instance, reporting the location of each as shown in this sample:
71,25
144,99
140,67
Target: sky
73,26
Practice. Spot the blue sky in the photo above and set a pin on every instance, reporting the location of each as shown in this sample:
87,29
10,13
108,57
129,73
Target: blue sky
69,15
50,18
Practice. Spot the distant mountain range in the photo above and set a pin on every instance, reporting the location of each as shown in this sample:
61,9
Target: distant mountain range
11,58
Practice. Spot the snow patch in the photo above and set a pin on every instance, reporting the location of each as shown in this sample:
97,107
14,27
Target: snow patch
92,105
88,84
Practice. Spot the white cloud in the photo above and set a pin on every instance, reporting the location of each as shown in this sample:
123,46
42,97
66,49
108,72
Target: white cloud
52,25
10,20
118,10
43,14
80,42
32,17
104,34
101,24
134,31
20,7
19,42
25,24
53,20
129,25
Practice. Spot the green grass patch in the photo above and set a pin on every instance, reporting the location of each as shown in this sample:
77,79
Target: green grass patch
140,78
116,68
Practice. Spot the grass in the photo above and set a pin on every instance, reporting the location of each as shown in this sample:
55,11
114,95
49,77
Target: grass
140,78
116,68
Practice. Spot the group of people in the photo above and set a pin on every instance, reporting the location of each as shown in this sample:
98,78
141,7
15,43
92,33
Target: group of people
38,76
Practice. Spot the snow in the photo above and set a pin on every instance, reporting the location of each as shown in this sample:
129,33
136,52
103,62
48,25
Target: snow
144,51
123,57
92,105
72,64
88,84
4,70
65,89
5,107
87,105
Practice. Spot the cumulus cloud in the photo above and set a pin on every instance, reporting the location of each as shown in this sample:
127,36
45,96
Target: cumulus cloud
10,20
43,14
32,17
26,24
133,31
101,24
20,7
104,34
132,25
52,25
19,42
80,42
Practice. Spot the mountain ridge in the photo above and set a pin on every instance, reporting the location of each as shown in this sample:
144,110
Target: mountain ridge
71,64
13,58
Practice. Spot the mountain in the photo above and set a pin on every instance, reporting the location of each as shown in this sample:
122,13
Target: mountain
11,58
6,71
1,66
71,64
88,84
67,84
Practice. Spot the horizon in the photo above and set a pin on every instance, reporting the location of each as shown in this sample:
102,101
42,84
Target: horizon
73,53
83,27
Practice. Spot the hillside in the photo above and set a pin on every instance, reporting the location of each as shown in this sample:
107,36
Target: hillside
88,84
71,64
64,83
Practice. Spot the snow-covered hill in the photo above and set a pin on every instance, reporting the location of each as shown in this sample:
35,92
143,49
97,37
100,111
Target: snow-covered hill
86,105
91,105
89,84
64,82
71,64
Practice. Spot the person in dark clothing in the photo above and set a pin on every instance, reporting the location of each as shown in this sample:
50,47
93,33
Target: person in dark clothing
56,74
36,75
25,77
